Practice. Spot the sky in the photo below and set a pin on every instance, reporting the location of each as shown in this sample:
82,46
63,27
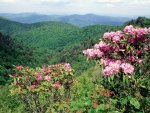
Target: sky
100,7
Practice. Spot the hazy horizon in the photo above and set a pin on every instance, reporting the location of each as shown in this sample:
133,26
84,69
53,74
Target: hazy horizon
65,14
115,8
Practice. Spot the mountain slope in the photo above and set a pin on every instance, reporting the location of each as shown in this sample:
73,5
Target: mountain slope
12,53
56,35
50,35
56,42
9,26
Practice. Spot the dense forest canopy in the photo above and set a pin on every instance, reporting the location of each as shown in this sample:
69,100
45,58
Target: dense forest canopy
46,43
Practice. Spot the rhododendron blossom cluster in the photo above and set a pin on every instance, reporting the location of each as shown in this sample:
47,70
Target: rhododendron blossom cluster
42,86
30,79
119,51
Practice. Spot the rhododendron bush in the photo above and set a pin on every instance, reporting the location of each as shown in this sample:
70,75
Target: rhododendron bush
122,56
42,89
120,51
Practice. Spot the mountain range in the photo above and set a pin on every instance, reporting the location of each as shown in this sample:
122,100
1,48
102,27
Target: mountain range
48,42
75,19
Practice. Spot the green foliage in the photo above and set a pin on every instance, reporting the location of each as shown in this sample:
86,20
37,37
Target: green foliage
9,104
135,103
12,53
140,21
41,89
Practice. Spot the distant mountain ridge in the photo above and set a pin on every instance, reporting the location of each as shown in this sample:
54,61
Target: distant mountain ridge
75,19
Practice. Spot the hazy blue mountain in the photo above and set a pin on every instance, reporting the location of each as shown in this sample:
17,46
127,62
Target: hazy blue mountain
78,20
92,19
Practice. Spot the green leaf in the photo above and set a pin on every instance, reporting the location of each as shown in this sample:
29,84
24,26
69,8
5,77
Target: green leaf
140,72
124,101
124,79
108,79
101,107
112,77
91,111
88,102
128,46
135,103
24,91
114,101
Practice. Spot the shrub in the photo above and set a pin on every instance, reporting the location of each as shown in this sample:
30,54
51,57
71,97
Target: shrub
43,89
122,56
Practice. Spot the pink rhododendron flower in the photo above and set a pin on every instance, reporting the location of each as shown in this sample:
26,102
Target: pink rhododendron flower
105,61
107,71
106,48
113,67
93,53
67,67
139,60
19,67
107,35
119,62
89,53
116,39
96,46
127,68
119,33
33,86
145,48
141,31
148,29
102,44
57,85
129,29
39,77
48,78
131,58
132,40
98,53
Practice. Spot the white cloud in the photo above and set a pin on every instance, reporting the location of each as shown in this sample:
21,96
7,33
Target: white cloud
8,1
108,1
124,1
121,7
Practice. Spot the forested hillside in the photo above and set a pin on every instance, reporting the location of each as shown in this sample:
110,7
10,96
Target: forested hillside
12,53
48,43
140,21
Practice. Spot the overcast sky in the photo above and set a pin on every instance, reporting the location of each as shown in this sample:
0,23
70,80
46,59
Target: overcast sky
101,7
